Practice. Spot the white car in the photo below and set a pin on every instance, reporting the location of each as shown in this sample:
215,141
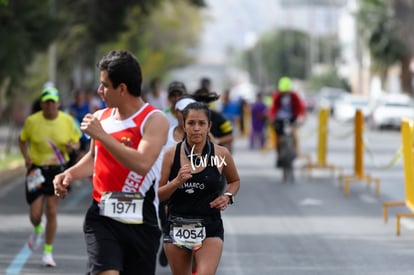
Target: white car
347,105
390,110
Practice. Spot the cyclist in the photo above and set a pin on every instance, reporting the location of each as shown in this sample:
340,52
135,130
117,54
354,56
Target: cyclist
287,105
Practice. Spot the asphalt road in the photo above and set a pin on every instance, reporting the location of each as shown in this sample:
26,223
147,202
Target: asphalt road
308,227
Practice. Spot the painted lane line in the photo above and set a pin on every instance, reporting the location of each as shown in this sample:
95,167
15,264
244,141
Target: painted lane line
311,201
21,258
368,199
408,224
19,261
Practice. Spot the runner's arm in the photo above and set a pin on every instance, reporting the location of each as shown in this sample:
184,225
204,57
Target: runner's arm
167,188
139,160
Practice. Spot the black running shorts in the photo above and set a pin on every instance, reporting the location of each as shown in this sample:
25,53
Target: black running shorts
129,248
47,188
214,228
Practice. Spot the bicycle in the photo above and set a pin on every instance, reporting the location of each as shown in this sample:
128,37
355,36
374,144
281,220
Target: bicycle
286,151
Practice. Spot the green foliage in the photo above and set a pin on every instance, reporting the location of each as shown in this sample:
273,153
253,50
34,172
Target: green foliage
162,40
281,53
380,33
101,20
26,27
329,79
329,50
385,49
11,161
290,51
79,29
198,3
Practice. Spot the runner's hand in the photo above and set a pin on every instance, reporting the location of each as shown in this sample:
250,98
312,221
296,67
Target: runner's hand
61,183
91,126
220,202
184,174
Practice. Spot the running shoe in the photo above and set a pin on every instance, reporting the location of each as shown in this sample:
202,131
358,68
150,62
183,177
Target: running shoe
35,240
48,260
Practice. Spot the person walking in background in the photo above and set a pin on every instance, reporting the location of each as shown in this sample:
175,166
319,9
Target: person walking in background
231,109
258,112
242,121
46,139
176,89
156,96
79,106
205,83
176,132
199,179
221,129
206,86
95,102
121,226
78,109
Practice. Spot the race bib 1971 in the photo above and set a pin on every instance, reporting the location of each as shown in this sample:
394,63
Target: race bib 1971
122,206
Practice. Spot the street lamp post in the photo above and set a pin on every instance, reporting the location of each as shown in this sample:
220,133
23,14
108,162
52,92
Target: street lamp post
52,47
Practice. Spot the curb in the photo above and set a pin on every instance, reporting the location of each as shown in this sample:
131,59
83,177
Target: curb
10,173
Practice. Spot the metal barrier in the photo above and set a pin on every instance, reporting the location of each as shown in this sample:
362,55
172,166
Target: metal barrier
322,145
407,126
359,173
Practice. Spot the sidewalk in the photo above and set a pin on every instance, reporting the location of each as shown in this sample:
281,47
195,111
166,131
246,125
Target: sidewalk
9,137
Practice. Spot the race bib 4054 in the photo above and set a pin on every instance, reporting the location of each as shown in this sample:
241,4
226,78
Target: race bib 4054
188,232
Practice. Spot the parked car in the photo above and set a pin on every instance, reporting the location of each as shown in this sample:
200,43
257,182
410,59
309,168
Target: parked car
390,109
346,107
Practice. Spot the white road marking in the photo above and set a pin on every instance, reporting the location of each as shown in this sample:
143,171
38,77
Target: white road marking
311,201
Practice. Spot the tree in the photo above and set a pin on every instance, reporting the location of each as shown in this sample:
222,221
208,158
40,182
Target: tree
165,39
383,28
78,28
404,20
26,27
327,79
95,26
279,53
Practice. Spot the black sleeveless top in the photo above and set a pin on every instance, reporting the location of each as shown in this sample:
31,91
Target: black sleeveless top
193,197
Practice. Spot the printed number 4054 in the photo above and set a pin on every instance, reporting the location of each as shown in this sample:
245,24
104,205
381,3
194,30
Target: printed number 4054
189,233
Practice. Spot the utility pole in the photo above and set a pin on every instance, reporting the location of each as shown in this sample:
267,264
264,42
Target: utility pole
52,47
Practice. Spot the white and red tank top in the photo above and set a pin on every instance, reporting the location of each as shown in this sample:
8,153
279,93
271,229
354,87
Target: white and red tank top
110,175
